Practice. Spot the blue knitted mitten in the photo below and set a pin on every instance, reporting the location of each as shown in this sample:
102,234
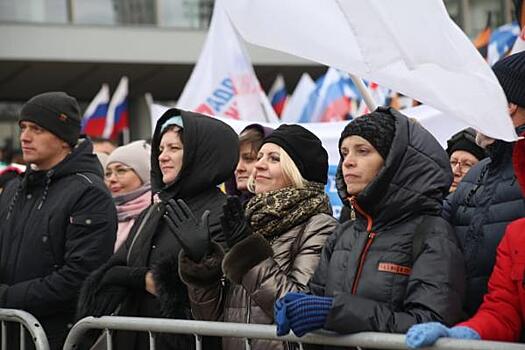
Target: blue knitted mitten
462,332
426,334
280,309
308,313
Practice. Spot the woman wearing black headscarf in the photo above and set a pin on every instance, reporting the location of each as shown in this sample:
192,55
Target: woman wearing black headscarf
191,154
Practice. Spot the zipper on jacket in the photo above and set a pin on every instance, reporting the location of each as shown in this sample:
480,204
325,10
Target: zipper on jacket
364,252
362,259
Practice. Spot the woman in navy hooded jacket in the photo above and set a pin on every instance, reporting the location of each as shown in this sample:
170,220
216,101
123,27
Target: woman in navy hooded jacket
501,315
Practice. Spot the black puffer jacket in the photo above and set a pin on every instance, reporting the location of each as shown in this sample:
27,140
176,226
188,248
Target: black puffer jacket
56,227
211,151
486,200
368,265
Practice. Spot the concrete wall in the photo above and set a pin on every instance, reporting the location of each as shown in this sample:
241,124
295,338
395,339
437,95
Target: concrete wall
80,43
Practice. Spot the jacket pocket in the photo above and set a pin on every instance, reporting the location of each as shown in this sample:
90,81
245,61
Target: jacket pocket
394,268
88,220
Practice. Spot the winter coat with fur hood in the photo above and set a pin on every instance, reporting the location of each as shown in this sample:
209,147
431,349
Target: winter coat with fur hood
368,265
211,151
257,279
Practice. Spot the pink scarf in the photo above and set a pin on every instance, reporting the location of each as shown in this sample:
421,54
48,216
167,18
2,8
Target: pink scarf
127,213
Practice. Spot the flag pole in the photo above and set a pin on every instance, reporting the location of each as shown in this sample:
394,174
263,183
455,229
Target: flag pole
365,93
125,136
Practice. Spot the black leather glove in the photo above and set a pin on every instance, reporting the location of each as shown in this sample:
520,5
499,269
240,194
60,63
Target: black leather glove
193,236
126,276
234,224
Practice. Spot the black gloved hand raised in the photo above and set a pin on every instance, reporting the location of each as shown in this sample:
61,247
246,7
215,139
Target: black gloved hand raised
234,224
193,236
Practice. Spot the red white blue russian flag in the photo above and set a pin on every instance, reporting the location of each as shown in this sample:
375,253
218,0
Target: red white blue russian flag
94,119
118,115
278,95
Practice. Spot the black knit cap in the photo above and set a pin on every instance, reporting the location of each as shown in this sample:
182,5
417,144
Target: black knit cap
304,148
377,127
510,72
56,112
465,140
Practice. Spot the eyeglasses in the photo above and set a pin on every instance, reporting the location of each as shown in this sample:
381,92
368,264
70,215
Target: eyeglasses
119,172
463,166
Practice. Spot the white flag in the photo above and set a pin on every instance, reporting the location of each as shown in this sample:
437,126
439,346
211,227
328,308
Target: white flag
156,111
296,103
223,82
410,46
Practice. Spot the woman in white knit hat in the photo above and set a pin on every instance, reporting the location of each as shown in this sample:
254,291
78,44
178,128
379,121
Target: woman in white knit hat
127,176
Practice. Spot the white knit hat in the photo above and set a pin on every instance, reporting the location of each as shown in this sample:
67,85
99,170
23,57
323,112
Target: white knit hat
136,155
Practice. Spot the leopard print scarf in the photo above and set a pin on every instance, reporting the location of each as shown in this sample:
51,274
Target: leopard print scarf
274,213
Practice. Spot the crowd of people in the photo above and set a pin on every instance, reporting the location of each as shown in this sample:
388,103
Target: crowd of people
202,223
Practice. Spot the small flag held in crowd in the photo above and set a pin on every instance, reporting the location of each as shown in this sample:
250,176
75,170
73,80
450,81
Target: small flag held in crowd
117,119
295,104
94,119
278,95
330,101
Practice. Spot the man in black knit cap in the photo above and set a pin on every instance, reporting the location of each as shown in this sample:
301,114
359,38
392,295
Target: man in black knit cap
489,197
57,223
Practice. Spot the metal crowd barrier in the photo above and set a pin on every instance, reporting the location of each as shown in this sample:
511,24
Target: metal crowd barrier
253,331
26,321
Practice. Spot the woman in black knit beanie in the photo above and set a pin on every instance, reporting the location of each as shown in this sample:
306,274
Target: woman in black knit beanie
273,246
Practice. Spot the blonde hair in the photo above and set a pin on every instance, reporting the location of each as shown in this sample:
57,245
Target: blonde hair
290,170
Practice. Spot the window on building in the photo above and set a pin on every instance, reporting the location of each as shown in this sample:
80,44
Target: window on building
37,11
